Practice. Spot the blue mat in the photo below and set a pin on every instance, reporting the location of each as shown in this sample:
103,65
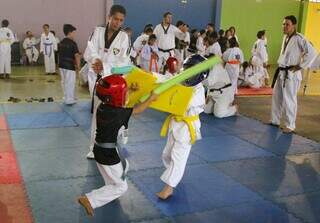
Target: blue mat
32,108
308,160
40,120
238,124
226,147
202,188
281,144
43,139
305,206
249,164
144,131
56,163
86,130
55,201
162,220
253,212
80,113
147,155
271,176
211,130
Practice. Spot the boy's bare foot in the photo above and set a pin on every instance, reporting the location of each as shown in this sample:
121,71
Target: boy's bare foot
166,192
83,200
287,130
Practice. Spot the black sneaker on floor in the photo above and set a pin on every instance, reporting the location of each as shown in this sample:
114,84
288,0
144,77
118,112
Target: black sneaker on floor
16,100
11,99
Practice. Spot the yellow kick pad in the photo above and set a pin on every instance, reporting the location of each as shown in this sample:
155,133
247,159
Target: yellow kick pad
146,83
175,100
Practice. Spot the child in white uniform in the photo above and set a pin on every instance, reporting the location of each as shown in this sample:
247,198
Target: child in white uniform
149,55
220,94
29,44
233,57
48,46
182,131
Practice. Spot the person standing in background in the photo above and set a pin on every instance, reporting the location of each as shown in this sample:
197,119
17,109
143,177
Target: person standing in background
6,39
48,45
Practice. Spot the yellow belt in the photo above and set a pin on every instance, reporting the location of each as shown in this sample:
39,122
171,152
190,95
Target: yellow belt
187,119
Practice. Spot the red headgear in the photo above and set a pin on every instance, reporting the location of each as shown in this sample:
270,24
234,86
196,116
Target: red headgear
172,64
112,90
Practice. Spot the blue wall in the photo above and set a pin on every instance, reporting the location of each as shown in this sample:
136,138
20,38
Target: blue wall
141,12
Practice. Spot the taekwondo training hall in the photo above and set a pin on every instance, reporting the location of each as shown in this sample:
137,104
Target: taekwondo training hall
160,111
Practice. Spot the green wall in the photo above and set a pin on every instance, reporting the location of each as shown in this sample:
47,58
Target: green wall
249,16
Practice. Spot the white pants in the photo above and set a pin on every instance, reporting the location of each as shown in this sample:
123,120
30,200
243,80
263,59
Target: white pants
5,58
83,74
114,187
49,63
256,80
68,83
163,56
284,101
233,72
222,107
174,157
96,104
92,79
32,55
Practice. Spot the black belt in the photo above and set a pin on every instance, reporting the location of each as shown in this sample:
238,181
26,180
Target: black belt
276,74
67,59
192,50
220,89
165,51
107,145
122,159
93,93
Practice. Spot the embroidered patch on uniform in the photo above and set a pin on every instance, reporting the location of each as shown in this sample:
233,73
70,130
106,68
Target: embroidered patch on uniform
116,51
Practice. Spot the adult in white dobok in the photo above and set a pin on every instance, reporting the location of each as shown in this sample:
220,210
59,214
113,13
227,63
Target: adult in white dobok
108,47
220,93
166,33
297,53
6,39
29,44
48,45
